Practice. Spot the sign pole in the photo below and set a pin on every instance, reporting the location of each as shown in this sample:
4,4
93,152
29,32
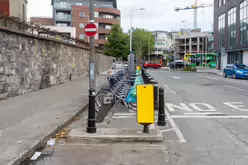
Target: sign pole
91,128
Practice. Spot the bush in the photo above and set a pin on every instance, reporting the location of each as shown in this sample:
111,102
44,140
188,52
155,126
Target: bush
190,69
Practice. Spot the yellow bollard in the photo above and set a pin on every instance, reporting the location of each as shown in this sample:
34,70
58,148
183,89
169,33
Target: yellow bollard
138,68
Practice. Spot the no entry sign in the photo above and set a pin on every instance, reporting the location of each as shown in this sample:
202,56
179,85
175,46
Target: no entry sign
90,29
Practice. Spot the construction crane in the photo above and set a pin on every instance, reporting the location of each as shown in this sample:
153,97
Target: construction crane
194,7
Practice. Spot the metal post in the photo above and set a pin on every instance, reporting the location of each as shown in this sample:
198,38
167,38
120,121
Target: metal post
131,30
145,129
91,128
155,94
161,112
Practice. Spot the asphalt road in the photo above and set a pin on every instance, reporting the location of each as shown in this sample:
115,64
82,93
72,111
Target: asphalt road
207,115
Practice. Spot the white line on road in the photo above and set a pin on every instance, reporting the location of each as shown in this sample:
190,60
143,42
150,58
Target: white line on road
174,126
169,89
204,113
125,114
176,77
167,130
234,87
209,117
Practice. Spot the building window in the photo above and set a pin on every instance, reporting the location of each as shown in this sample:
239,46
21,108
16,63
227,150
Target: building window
224,2
107,16
244,22
232,27
81,25
235,58
81,36
220,3
81,14
108,27
221,24
96,14
79,4
62,24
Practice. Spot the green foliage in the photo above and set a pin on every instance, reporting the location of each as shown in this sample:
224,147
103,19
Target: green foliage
190,69
142,42
117,44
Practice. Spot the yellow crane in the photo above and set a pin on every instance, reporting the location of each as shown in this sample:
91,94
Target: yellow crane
194,7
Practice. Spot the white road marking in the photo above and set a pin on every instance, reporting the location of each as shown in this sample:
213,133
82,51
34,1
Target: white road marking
209,117
209,107
182,107
122,117
174,126
176,77
170,90
167,130
204,113
236,105
234,87
125,114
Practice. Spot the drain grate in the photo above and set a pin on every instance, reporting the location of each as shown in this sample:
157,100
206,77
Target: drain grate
220,114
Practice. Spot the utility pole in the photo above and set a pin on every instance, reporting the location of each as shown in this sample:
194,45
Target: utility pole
91,128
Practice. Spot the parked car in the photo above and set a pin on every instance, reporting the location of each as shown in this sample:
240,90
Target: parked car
151,64
236,71
178,64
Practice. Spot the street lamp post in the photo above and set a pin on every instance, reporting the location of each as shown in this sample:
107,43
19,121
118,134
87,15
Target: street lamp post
131,29
185,51
91,126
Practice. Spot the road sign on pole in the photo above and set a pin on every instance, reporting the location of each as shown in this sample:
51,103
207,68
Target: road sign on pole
90,29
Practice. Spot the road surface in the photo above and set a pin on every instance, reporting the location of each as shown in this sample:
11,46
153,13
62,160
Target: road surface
208,117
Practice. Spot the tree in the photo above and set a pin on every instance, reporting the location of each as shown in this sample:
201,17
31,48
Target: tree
117,43
143,41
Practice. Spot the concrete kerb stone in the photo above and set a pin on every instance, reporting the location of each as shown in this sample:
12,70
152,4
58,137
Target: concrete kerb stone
42,142
110,135
109,116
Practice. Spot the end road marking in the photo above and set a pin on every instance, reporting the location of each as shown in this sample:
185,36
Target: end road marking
167,130
174,126
170,90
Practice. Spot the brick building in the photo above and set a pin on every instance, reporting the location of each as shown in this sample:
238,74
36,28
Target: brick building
14,8
231,31
75,13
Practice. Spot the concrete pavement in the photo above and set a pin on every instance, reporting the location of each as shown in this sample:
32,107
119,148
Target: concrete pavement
210,70
26,122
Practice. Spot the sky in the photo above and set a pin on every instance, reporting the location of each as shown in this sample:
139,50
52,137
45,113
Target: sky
158,14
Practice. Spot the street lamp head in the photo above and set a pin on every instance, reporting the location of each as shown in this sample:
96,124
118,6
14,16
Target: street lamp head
142,9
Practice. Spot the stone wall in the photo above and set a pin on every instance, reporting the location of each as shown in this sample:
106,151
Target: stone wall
29,63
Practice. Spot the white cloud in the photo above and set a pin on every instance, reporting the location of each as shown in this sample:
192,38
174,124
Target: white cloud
159,14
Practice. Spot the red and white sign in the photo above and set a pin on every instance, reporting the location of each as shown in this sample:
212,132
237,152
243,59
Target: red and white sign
90,29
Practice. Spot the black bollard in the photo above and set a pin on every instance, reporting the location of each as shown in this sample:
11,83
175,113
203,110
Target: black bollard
155,95
161,113
146,128
91,128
